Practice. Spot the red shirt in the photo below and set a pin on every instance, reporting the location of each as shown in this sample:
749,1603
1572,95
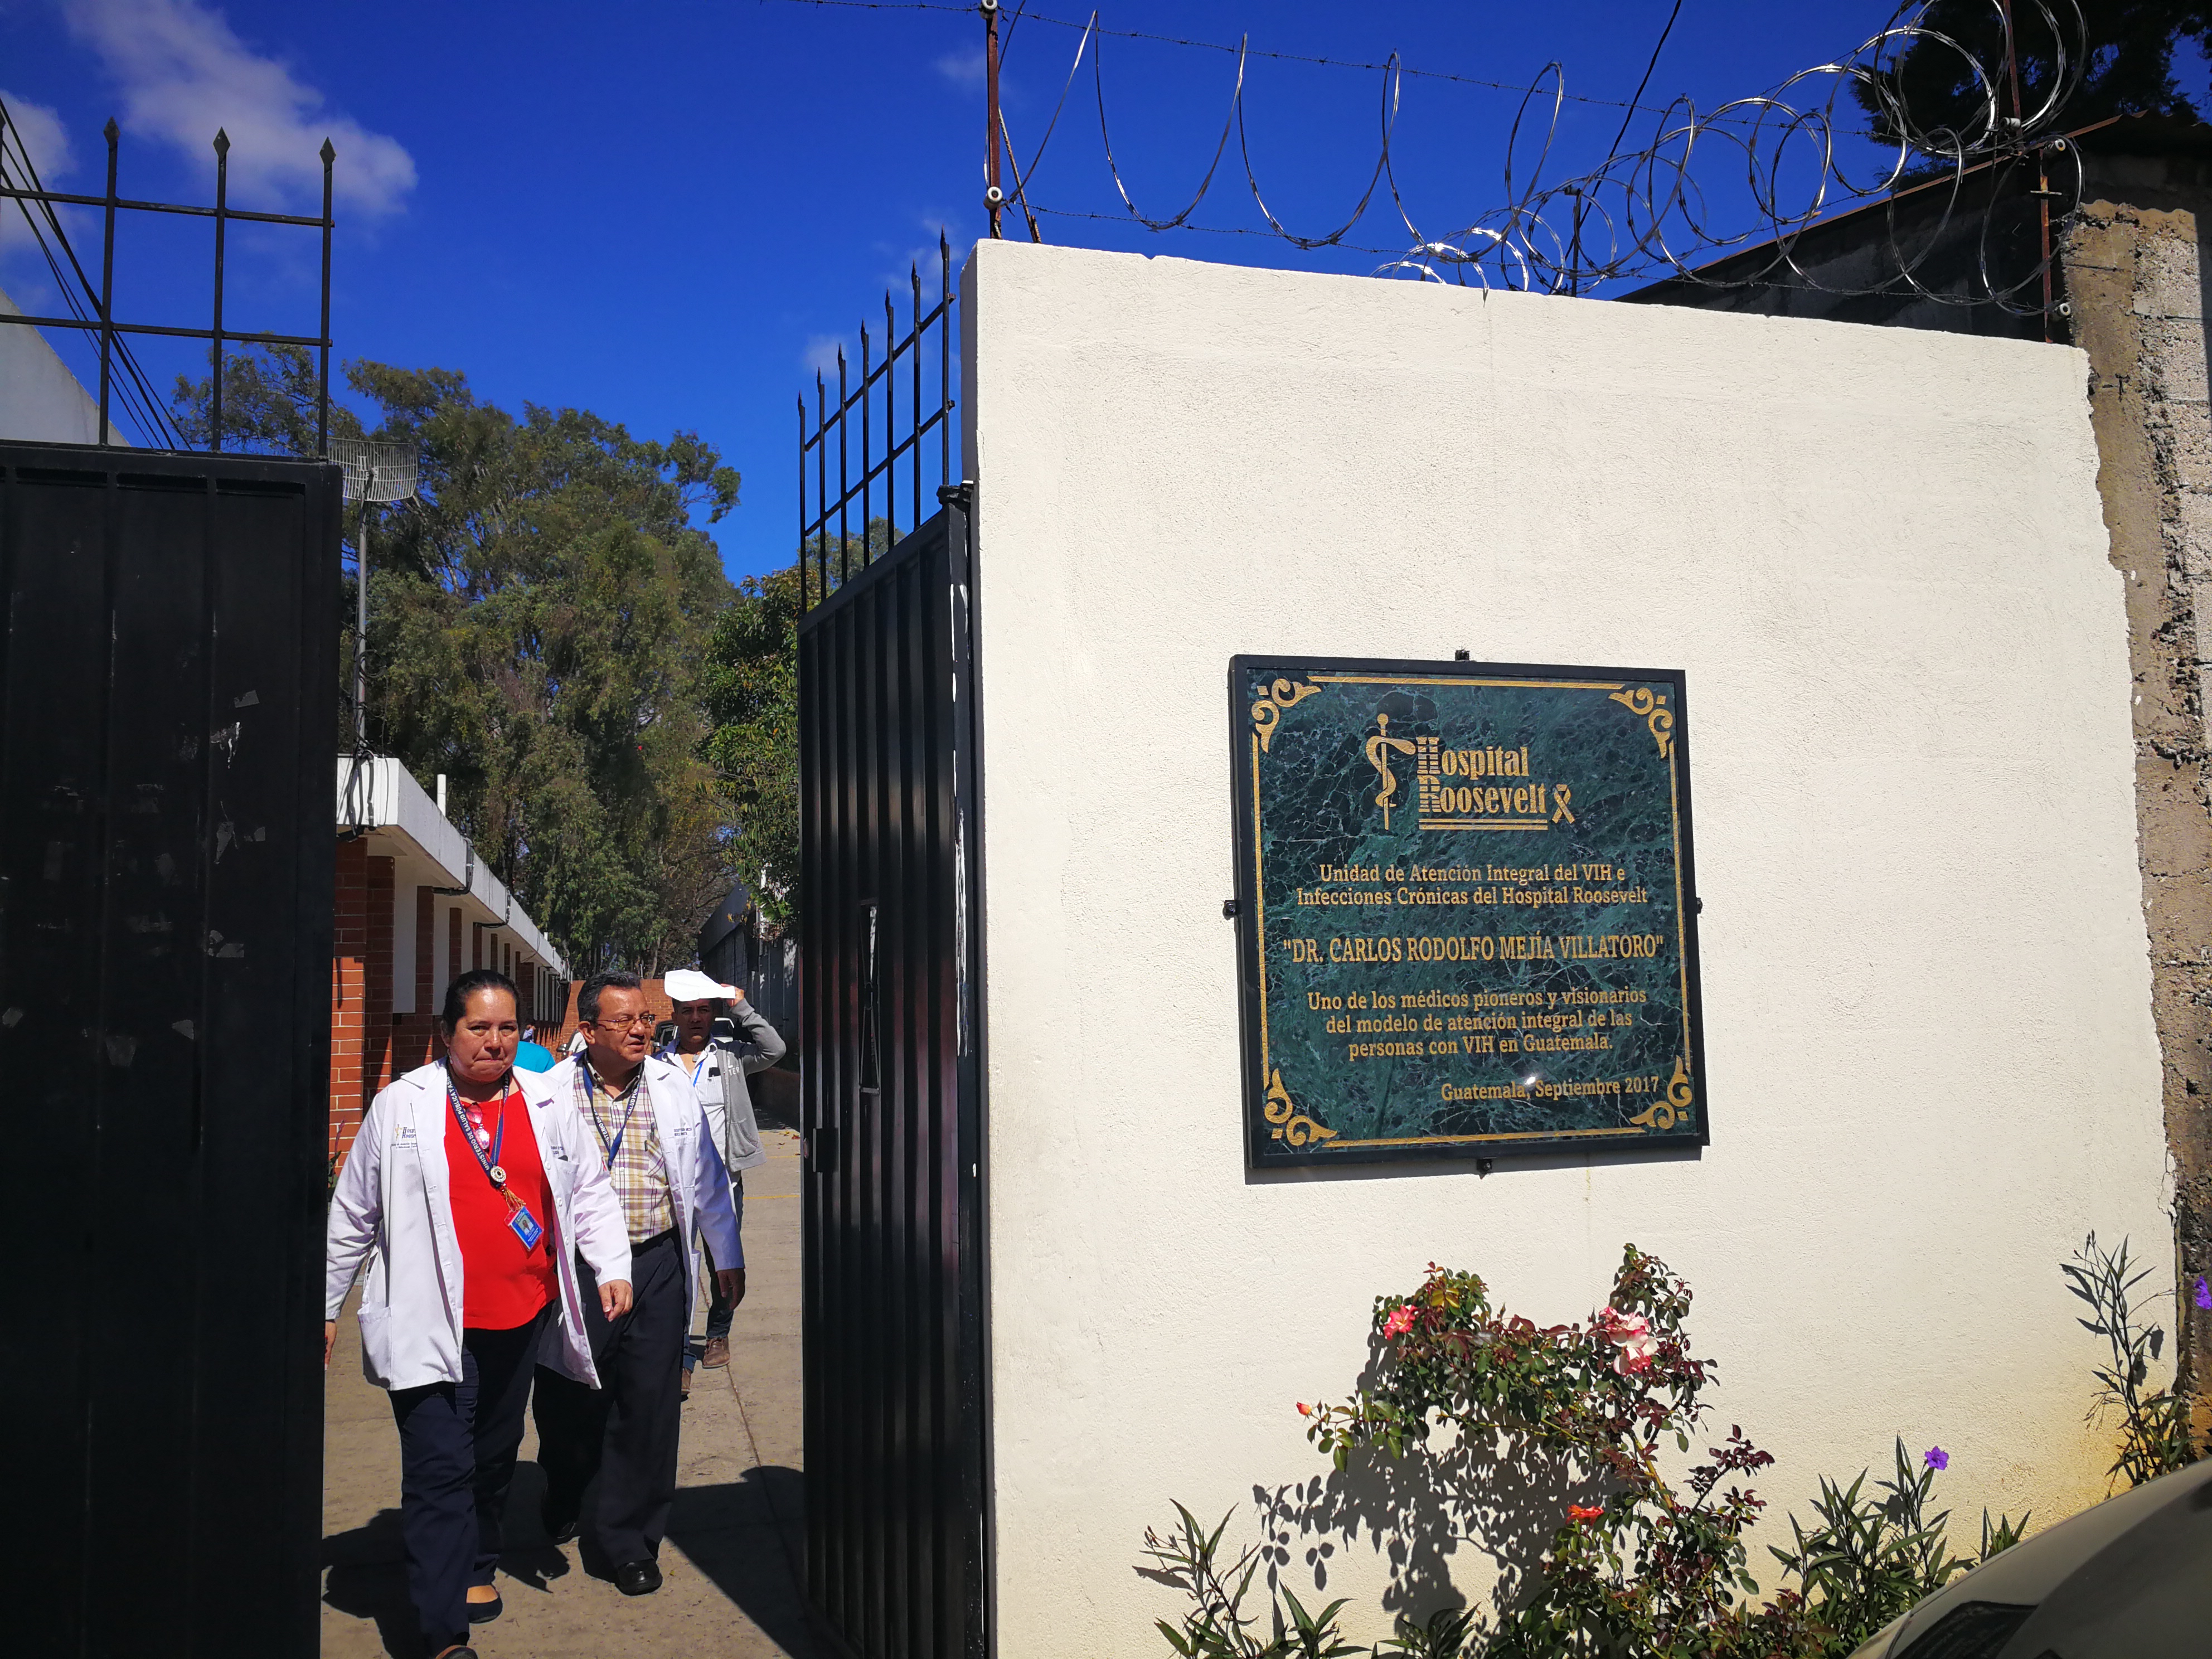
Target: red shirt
502,1283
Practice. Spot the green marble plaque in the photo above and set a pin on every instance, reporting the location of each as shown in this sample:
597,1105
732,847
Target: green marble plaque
1465,910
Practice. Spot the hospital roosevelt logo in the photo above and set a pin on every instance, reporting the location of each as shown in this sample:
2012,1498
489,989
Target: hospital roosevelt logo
1485,788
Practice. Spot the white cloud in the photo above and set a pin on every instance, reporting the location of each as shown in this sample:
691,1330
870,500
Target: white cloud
184,73
43,135
46,140
821,355
964,69
923,257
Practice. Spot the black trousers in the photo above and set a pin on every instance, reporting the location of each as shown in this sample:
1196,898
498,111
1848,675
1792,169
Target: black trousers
457,1446
623,1432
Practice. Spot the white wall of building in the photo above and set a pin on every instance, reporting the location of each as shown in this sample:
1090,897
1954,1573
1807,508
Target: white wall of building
1879,556
402,822
40,400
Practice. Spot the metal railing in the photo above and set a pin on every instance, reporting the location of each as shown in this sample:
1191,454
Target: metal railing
104,319
822,516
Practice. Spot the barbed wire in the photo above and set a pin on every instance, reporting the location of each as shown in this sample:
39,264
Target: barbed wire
1245,50
1642,214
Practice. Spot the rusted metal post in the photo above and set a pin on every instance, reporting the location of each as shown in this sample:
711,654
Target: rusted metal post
994,199
2042,164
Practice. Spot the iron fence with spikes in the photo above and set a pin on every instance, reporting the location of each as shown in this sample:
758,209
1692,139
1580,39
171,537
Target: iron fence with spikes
102,319
890,430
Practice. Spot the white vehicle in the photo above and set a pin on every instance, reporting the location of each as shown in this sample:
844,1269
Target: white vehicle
2128,1579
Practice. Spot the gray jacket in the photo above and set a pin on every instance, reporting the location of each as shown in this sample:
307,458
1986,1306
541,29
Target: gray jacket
719,1073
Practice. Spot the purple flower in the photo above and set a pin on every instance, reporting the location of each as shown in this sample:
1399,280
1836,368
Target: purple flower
2203,1292
1937,1458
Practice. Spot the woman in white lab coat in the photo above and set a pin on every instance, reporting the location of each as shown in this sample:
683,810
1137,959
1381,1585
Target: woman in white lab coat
470,1189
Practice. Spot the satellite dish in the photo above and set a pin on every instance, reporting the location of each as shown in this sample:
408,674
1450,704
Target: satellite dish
377,471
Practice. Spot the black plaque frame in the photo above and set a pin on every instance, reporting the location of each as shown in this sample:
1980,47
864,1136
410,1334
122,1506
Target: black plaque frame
1264,1149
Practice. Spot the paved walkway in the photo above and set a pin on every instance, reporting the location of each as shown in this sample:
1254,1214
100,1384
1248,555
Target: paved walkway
735,1557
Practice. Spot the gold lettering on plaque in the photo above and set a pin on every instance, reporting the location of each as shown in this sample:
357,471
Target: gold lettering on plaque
1378,756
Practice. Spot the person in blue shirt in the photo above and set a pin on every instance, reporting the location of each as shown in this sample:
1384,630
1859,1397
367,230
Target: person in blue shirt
531,1055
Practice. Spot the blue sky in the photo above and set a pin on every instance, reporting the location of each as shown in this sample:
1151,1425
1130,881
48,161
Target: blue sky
669,212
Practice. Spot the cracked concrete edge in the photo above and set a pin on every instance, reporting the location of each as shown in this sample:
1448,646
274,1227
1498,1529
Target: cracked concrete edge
2134,282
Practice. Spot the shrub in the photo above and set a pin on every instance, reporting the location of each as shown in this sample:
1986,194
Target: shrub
1868,1558
1639,1567
1636,1565
2154,1422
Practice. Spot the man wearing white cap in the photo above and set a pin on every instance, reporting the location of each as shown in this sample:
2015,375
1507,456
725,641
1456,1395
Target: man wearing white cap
718,1066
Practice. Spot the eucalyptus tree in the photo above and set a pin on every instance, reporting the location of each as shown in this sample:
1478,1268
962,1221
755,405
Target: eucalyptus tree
539,617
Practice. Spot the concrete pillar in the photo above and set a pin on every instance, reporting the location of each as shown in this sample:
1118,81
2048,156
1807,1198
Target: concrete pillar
2133,280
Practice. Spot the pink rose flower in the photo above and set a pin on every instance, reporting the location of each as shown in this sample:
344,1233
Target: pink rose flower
1399,1321
1630,1332
1304,1410
1622,1328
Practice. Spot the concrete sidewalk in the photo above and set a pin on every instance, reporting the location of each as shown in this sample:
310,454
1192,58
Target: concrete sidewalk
735,1557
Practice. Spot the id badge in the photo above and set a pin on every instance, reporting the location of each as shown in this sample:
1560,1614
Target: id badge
525,1226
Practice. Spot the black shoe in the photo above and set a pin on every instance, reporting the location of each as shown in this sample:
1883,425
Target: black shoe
561,1526
638,1578
482,1612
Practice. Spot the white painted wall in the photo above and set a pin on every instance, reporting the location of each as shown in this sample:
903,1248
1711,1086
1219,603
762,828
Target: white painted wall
40,400
1879,556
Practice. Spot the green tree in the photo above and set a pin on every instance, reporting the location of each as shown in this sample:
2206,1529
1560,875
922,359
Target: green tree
752,687
538,617
751,694
2129,56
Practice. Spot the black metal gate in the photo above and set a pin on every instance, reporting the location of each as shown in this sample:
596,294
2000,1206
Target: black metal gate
167,781
897,1461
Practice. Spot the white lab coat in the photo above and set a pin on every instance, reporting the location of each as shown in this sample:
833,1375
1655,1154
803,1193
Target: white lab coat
698,1180
394,1205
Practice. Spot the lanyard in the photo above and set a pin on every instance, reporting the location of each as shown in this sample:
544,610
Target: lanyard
611,1148
489,1163
519,1221
672,1052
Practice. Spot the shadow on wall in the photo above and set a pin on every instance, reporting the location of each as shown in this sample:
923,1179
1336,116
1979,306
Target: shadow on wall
1416,1511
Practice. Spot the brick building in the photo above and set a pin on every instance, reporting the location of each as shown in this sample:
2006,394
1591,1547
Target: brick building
414,910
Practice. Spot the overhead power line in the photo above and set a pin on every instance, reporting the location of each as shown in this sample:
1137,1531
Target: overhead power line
140,401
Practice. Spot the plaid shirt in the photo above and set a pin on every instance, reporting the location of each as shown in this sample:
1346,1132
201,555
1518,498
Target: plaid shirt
639,1176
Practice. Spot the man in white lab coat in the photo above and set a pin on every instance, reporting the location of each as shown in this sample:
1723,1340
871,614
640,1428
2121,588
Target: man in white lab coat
718,1066
650,1129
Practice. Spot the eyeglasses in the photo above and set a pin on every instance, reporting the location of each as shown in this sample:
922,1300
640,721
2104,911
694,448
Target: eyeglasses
613,1024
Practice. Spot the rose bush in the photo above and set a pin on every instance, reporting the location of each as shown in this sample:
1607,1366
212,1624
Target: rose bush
1646,1568
1639,1565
